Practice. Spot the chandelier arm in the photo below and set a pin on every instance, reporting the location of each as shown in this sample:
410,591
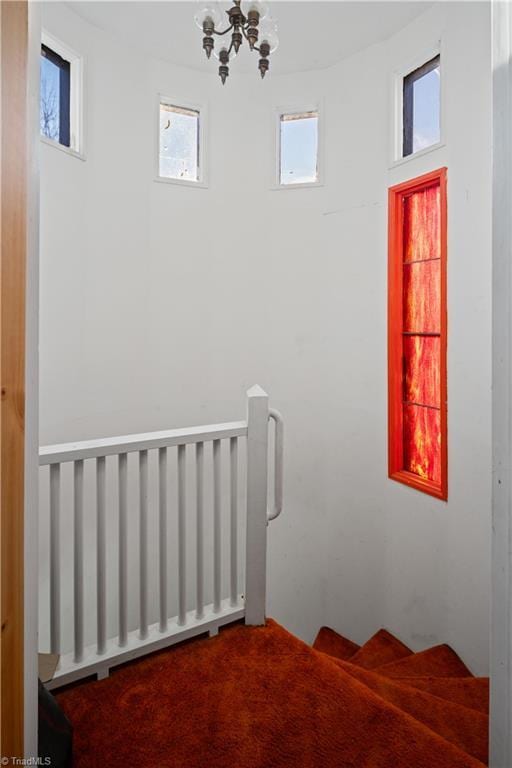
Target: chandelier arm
239,26
215,32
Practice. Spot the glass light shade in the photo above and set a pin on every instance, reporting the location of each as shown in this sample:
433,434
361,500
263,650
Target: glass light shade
268,33
210,11
257,5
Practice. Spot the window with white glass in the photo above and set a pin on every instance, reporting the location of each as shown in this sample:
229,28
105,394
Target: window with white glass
298,143
181,151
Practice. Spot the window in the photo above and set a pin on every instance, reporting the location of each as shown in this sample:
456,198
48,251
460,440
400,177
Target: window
180,155
55,91
60,95
298,148
417,334
421,107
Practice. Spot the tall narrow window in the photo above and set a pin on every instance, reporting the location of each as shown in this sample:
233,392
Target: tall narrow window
417,334
61,96
298,148
179,151
422,107
55,97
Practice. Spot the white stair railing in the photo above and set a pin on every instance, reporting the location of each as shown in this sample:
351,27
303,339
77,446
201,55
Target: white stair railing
141,624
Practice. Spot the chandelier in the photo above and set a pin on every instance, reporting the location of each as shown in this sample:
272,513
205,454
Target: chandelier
257,27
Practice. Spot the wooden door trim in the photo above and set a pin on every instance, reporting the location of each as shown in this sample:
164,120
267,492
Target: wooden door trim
13,242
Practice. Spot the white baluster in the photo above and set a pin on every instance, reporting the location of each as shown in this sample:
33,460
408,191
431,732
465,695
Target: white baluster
101,553
182,540
233,457
79,558
123,549
143,544
55,558
162,512
216,527
199,530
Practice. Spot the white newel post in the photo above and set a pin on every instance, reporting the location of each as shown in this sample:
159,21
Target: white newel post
257,471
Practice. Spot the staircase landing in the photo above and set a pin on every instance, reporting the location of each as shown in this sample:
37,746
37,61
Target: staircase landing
256,697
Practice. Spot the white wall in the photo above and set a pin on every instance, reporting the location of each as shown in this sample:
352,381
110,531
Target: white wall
500,736
160,305
399,558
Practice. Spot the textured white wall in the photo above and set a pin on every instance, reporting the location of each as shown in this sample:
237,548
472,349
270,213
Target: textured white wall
160,305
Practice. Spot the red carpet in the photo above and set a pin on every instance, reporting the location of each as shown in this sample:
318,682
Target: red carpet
380,649
458,724
472,692
335,645
260,698
439,661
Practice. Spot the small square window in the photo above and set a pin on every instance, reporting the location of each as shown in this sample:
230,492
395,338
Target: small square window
55,97
298,148
422,107
179,143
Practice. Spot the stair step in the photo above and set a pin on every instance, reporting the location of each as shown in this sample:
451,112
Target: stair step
329,641
472,692
464,727
251,697
439,661
380,649
468,691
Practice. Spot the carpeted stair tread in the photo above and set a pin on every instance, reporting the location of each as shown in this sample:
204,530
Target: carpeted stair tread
380,649
253,697
329,641
472,692
439,661
464,727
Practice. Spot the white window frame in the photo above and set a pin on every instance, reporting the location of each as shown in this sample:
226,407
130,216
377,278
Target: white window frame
76,97
297,109
397,87
202,109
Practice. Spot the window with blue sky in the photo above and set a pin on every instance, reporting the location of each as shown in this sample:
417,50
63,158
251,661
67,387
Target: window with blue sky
298,156
54,114
179,143
422,107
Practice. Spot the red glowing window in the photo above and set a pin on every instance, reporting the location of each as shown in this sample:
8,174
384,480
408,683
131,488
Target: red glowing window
417,334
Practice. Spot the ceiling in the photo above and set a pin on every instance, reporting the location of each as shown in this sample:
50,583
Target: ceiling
313,34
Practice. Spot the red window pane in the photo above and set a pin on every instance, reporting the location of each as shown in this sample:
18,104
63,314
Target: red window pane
422,297
422,225
422,442
422,375
417,333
